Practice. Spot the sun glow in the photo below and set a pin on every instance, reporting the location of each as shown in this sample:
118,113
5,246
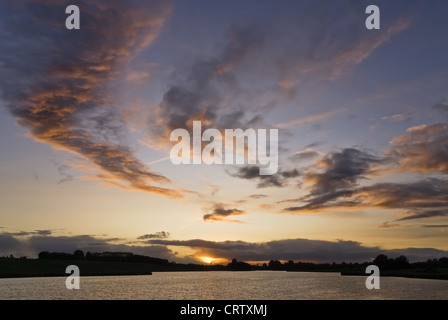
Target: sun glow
207,259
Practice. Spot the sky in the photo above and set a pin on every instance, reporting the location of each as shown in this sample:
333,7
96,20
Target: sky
362,118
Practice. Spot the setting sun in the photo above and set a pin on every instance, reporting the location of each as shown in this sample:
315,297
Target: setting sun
207,259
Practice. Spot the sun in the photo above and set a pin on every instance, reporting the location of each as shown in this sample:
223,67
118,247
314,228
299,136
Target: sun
207,259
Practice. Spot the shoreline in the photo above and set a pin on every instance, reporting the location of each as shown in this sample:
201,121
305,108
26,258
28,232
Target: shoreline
32,268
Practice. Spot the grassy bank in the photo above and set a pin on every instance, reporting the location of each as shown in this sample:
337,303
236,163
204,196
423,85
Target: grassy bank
17,268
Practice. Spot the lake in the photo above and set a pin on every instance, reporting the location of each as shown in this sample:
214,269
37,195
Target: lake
255,285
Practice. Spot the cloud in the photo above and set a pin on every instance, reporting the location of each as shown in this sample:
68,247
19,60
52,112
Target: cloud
257,196
334,182
214,189
219,213
387,224
426,198
29,233
342,170
435,226
306,154
286,249
205,92
210,87
309,119
423,149
157,235
31,246
279,179
425,213
62,169
334,47
62,90
442,107
396,117
298,250
360,50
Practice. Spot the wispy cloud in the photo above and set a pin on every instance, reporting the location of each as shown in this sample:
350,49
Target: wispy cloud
306,154
65,77
423,149
324,116
205,92
397,117
335,48
442,107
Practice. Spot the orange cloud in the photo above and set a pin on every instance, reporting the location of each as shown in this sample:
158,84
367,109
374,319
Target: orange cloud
66,102
422,149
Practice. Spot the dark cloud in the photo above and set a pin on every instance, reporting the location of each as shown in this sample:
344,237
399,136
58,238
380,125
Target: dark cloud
422,149
11,245
341,170
29,233
422,214
157,235
295,249
324,201
279,179
63,81
336,185
31,246
423,199
219,213
298,249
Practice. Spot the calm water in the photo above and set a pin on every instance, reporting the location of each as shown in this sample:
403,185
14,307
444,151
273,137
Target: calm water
256,285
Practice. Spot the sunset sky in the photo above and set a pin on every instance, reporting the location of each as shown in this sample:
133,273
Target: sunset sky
86,116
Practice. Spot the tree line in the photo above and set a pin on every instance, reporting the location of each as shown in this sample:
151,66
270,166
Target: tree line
382,261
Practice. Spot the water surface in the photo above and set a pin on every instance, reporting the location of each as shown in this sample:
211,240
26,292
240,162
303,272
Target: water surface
255,285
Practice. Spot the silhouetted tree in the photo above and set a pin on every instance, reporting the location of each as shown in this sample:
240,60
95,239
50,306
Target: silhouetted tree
78,255
401,262
443,262
238,266
275,265
381,261
43,255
